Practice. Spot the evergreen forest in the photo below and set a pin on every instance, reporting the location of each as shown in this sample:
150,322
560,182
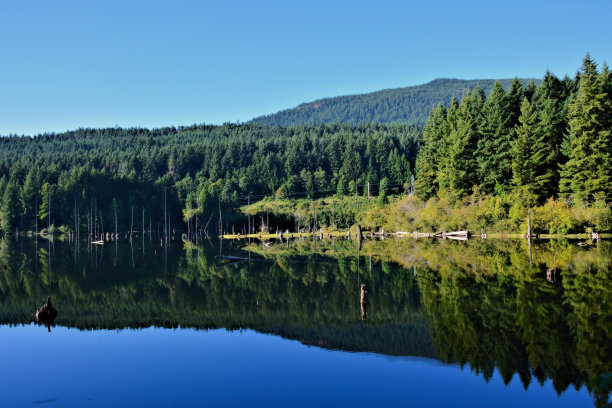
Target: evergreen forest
410,105
99,180
538,142
519,145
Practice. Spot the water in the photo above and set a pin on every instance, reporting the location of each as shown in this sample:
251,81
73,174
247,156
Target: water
444,323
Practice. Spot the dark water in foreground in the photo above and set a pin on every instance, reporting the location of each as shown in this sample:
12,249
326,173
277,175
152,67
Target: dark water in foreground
444,324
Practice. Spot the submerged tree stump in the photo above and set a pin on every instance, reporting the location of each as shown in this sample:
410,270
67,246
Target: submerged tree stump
46,314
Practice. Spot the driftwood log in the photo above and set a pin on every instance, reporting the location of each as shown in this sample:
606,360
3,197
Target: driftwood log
364,302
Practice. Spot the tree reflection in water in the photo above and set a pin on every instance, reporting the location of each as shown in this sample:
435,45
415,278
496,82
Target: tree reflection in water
475,303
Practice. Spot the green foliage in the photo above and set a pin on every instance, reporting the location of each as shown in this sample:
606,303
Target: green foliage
525,156
10,208
429,157
477,212
462,142
29,195
352,188
340,189
496,134
382,191
587,175
46,201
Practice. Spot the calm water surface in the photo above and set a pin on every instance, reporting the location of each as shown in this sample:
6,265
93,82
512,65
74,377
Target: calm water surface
443,323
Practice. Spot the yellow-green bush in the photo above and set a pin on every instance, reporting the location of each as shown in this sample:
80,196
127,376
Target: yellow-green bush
554,217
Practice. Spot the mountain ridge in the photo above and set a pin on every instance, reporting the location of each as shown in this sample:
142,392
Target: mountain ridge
410,105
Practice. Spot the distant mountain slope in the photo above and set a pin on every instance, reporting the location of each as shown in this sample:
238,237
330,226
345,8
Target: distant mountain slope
406,105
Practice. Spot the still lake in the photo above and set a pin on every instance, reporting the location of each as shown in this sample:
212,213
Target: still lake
305,322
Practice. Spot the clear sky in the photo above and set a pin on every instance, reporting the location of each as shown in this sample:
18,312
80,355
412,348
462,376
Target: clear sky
70,64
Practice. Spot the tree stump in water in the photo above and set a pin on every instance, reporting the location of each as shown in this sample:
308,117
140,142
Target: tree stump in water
46,314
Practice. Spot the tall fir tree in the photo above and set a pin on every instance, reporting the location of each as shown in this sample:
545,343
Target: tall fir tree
463,143
604,140
449,129
429,155
10,208
548,101
46,201
584,177
29,197
524,157
494,143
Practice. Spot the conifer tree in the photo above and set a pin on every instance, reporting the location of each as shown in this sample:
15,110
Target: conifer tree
320,180
429,154
463,142
10,210
530,91
3,183
29,193
382,191
548,101
523,154
46,201
604,140
341,189
584,177
495,141
449,129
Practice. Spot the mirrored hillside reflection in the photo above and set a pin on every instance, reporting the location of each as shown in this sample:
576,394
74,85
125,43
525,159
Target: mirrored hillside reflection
533,313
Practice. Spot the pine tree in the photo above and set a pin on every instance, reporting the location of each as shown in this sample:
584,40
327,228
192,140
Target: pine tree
496,130
46,201
340,189
429,155
584,177
382,191
530,91
29,196
370,177
351,167
449,130
463,141
352,188
320,180
604,140
548,101
523,154
10,208
3,183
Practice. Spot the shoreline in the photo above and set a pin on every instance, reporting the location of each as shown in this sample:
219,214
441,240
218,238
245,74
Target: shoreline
371,234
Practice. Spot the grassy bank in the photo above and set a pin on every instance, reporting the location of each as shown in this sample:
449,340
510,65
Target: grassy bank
497,216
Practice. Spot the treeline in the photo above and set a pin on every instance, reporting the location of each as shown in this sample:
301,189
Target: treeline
88,178
533,142
410,105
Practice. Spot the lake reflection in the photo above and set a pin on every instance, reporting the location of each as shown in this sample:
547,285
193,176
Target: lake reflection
515,329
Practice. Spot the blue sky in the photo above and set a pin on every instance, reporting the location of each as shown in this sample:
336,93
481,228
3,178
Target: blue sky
70,64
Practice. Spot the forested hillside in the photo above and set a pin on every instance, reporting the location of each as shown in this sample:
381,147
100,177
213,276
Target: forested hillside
97,175
410,105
